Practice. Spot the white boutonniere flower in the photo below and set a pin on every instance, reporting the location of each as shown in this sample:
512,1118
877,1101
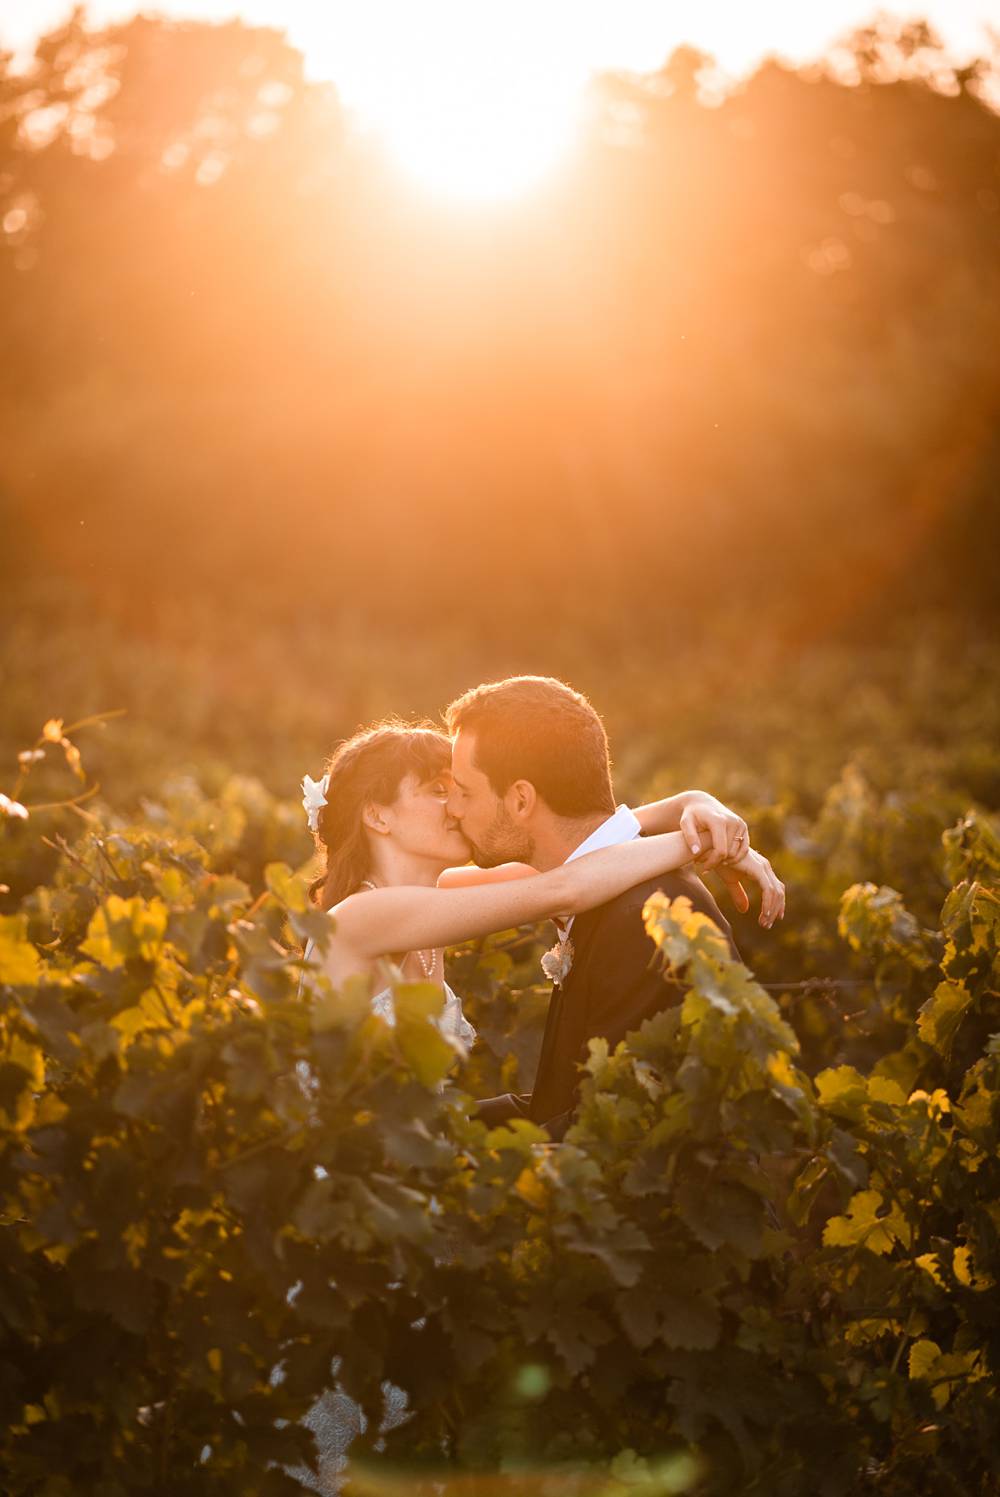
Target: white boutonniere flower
557,961
314,799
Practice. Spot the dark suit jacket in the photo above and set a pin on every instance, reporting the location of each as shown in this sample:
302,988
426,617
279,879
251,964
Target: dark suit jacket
612,988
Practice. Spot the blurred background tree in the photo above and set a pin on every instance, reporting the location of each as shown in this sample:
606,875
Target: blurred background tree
731,373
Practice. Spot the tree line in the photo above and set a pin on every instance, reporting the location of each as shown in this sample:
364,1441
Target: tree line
757,333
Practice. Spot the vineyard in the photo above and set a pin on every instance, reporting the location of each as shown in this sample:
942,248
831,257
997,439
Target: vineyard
764,1258
706,426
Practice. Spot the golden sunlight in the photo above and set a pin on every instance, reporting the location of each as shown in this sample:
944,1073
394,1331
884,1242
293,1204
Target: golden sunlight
472,101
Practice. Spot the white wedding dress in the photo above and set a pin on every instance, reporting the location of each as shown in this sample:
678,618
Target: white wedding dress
452,1021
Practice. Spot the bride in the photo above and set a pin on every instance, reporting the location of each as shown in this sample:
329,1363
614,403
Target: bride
393,885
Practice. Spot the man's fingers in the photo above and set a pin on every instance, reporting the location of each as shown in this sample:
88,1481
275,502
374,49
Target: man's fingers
767,900
772,903
737,893
772,890
732,882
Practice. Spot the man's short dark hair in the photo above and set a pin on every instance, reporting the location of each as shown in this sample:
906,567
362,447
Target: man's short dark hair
539,729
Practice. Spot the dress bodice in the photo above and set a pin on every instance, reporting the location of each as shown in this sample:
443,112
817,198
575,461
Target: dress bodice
452,1022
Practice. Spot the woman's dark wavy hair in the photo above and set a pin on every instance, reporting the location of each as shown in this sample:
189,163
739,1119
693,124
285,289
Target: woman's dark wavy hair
370,767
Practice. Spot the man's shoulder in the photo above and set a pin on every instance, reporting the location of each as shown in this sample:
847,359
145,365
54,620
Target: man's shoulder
625,910
672,884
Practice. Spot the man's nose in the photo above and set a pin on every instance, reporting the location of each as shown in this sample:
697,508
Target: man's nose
451,806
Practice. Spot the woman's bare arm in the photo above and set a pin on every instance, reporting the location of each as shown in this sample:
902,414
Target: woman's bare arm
383,921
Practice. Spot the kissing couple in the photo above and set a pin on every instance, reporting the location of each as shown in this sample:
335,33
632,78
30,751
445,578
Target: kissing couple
521,785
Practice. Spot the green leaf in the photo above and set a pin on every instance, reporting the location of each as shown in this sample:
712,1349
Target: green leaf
151,1012
622,1254
686,1321
576,1333
843,1090
312,925
289,889
417,1000
718,1213
137,1093
939,1018
884,1089
227,892
122,1294
863,1227
343,1007
424,1047
930,1264
22,1075
923,1355
520,1136
20,964
972,850
124,928
875,920
689,1323
681,931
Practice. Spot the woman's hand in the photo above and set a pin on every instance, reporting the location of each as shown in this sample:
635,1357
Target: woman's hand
713,832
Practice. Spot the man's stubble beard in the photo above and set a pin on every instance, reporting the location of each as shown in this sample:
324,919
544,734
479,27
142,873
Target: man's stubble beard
503,842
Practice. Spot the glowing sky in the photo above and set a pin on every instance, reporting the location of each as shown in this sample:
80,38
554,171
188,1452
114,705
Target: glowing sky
479,95
347,38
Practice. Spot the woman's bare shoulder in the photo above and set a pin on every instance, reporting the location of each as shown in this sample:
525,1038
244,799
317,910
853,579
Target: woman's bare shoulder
470,876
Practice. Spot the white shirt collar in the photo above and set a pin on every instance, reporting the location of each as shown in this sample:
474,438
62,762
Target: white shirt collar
622,826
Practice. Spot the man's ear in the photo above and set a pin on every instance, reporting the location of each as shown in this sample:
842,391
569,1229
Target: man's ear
521,800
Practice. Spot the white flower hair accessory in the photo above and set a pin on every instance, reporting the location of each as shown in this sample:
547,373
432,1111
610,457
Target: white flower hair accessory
314,799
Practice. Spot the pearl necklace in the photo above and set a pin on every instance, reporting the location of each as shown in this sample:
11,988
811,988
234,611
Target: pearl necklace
427,959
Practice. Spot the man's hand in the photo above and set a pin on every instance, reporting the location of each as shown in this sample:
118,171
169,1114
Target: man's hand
753,865
718,839
714,834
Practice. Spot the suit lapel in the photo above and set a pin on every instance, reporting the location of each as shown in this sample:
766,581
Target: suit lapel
553,1020
562,1003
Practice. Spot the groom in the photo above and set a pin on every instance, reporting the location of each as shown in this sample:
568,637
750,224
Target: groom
531,783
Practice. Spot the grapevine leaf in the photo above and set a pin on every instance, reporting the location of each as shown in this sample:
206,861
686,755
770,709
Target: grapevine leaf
718,1213
864,1227
941,1015
923,1355
20,964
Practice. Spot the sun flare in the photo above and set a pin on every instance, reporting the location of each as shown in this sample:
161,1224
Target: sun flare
470,100
482,141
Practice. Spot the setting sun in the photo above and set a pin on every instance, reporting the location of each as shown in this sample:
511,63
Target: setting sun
482,140
472,102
